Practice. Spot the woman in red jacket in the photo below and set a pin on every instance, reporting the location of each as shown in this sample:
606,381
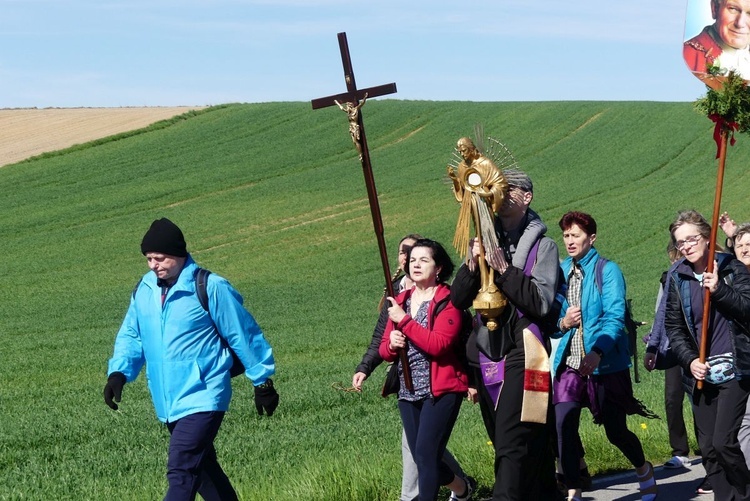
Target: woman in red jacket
423,322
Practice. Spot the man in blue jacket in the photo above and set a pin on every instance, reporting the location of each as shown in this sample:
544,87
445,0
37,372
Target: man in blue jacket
187,351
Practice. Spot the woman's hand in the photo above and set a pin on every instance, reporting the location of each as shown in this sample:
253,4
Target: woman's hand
472,395
395,312
649,361
358,379
727,224
397,340
589,363
698,370
571,319
711,280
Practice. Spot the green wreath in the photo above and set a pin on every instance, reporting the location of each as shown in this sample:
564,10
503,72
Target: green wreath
729,107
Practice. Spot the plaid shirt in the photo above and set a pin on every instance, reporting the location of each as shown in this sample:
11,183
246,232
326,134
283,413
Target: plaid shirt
577,348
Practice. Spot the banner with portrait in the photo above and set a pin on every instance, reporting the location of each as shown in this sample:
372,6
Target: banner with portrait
717,39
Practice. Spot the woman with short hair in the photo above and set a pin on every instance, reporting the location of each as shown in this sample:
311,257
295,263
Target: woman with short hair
592,361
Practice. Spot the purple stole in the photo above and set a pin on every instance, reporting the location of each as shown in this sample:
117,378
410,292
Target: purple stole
536,383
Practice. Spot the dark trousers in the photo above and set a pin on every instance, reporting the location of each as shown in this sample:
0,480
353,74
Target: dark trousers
674,395
524,455
192,466
428,425
718,411
568,419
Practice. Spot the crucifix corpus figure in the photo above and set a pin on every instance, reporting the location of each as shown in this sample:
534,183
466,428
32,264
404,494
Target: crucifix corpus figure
352,111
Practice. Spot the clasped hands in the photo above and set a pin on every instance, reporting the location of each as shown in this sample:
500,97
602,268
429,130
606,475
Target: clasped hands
495,259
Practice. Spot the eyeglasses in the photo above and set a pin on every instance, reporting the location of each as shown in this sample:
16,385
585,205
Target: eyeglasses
688,242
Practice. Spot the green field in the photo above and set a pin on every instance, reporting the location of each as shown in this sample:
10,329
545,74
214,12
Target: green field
272,197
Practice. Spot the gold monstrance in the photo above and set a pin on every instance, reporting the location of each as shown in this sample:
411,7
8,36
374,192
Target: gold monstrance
480,188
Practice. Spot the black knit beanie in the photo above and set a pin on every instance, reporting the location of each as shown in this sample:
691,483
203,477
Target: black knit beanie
164,237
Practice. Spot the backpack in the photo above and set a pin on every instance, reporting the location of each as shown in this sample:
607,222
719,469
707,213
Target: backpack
631,325
201,290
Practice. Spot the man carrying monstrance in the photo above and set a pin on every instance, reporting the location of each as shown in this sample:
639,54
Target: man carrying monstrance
510,278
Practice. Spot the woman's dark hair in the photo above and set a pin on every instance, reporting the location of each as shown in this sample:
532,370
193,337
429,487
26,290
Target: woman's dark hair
583,220
441,257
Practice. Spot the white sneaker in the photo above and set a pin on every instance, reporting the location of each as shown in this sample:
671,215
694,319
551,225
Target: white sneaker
678,462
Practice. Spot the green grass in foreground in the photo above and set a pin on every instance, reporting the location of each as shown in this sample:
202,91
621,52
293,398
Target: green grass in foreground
272,197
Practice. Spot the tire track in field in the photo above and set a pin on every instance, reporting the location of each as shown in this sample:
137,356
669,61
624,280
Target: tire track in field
297,221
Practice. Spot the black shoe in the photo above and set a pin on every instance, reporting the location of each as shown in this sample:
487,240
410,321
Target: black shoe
585,481
560,478
705,487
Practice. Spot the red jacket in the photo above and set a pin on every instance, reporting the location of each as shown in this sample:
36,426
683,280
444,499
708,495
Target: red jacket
701,51
440,342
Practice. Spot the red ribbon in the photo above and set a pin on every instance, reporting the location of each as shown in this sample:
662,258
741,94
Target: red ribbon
722,124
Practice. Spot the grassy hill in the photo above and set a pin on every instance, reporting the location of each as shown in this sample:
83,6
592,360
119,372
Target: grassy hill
272,197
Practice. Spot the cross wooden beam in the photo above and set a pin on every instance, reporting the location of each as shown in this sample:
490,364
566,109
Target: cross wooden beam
352,94
351,102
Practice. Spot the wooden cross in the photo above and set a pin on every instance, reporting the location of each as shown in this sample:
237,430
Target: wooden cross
353,100
352,97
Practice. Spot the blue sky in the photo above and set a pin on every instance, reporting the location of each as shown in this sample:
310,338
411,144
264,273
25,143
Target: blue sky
102,53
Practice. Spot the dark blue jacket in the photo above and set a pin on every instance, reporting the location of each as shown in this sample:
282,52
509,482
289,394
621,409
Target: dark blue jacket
732,299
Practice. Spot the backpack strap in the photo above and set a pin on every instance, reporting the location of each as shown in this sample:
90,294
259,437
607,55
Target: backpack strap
599,272
439,306
201,287
201,290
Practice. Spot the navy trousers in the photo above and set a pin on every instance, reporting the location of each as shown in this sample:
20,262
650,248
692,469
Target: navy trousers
428,425
192,466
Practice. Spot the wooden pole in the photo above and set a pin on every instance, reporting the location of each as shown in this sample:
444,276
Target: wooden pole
712,246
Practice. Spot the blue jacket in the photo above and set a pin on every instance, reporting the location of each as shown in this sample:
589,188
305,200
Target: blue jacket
186,356
602,314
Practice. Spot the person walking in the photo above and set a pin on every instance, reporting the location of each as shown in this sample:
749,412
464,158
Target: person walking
517,415
188,354
719,405
372,359
423,322
738,242
591,366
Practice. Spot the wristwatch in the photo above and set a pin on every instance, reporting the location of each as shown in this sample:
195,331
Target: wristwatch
267,384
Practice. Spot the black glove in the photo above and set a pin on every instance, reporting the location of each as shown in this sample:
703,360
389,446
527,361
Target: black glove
266,398
113,388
